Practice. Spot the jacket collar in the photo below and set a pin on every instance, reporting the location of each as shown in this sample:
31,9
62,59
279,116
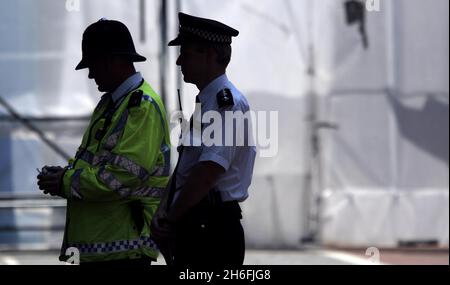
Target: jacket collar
127,86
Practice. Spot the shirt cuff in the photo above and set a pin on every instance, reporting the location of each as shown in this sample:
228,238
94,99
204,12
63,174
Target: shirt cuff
215,158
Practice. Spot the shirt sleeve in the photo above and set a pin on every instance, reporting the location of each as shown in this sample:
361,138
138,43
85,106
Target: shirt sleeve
224,152
221,155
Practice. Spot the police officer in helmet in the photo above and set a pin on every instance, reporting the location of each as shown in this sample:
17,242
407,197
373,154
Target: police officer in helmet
114,183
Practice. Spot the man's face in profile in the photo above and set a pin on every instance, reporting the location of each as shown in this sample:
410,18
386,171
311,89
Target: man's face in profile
193,60
99,71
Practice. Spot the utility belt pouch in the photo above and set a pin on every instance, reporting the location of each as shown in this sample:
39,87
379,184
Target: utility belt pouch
137,213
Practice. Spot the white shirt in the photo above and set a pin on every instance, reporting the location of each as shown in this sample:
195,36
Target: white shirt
237,160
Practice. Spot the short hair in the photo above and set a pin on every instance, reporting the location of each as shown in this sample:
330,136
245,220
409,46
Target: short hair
223,52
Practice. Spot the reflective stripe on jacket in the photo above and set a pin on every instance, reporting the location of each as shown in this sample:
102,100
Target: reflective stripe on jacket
125,161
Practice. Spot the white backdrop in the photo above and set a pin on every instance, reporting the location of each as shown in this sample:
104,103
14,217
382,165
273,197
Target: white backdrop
382,175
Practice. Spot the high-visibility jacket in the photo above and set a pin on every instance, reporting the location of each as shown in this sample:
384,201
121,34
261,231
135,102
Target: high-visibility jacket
114,184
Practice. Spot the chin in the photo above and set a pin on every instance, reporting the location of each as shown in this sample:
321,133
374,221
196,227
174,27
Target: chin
186,80
101,89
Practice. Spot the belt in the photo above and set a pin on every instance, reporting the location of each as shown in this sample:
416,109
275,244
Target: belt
213,208
213,198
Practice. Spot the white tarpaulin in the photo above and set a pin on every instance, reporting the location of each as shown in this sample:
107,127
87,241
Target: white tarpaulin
382,170
386,167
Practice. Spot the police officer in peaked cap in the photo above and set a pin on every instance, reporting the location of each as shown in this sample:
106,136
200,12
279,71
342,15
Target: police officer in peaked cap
198,222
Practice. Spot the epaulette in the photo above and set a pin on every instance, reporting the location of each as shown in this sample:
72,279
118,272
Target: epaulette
225,98
135,99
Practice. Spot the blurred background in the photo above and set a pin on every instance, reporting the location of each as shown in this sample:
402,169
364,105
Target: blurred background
362,93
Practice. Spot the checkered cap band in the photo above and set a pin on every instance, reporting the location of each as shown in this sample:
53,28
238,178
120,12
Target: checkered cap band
206,35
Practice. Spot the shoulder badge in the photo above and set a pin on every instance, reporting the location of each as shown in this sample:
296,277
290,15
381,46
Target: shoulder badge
225,98
135,99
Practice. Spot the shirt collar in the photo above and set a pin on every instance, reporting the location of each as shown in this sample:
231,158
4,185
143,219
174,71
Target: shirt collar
127,86
212,88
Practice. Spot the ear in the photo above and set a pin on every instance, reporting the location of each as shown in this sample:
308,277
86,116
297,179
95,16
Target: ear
110,61
211,55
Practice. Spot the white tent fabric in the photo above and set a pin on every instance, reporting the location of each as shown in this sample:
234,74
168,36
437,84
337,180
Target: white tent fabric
386,167
380,175
383,173
42,44
269,66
